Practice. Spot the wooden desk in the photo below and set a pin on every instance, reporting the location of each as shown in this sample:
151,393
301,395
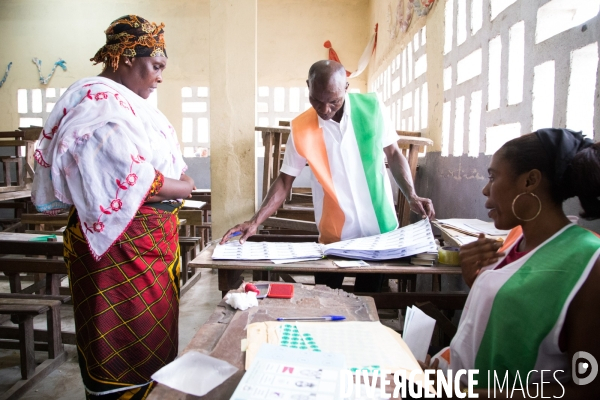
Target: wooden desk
229,277
221,335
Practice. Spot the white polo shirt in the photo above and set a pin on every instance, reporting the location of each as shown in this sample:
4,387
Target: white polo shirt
347,173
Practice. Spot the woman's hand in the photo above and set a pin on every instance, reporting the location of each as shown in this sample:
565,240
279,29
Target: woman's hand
190,181
476,255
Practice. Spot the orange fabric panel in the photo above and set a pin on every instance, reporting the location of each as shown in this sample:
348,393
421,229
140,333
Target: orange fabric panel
310,144
512,237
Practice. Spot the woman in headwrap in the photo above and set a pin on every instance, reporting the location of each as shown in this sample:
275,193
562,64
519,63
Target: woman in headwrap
114,161
534,304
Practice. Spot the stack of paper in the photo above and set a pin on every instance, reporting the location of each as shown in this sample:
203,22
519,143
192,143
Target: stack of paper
406,241
472,226
417,332
426,259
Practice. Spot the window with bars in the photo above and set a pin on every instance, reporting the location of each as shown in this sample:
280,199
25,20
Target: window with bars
195,127
35,105
501,62
509,68
403,85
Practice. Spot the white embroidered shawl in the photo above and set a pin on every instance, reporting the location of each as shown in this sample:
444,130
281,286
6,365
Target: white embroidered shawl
98,151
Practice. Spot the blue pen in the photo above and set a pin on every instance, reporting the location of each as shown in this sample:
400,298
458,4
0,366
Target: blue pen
324,318
234,234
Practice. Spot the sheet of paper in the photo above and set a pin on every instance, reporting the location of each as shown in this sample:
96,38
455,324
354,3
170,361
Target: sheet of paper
350,264
462,240
351,338
194,373
285,373
418,329
366,345
267,251
193,204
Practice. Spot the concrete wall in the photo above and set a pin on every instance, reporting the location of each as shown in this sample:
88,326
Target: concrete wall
291,34
74,31
290,38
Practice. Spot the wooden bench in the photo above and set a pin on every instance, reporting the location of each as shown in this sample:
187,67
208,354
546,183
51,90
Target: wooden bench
25,308
41,222
189,246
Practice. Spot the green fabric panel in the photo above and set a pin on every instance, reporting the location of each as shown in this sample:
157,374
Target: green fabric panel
528,305
368,124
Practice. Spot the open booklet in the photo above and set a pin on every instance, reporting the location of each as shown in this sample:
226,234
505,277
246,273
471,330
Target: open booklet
406,241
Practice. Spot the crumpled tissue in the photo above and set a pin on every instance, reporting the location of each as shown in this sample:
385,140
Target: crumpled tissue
194,373
242,301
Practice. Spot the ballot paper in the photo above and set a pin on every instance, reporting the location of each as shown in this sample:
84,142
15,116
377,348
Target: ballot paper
285,373
267,251
406,241
417,332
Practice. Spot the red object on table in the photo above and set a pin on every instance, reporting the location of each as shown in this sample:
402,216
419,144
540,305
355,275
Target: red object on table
251,288
281,290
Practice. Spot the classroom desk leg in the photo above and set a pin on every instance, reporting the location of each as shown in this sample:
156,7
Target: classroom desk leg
229,279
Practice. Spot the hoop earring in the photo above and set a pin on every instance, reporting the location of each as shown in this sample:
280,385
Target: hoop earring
530,219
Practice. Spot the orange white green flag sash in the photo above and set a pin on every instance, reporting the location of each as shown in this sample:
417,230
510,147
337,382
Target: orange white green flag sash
362,165
513,316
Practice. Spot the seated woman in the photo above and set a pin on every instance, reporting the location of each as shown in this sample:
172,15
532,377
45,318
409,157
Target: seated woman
535,304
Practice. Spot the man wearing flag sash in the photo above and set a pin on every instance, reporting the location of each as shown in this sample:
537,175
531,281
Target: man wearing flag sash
343,138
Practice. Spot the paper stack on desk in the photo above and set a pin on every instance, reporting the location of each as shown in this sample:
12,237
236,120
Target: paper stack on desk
406,241
460,231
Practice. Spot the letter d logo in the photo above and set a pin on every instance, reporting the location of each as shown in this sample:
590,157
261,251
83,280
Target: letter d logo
583,367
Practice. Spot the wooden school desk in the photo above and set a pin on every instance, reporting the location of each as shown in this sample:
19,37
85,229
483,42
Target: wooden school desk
229,277
221,335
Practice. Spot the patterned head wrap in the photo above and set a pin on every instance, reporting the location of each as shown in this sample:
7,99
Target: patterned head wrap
131,36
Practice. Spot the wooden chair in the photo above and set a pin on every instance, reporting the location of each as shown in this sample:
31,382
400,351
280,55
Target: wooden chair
411,145
25,308
22,306
273,139
298,218
23,137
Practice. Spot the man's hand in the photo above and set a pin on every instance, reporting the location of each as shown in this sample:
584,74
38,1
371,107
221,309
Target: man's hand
422,206
476,255
247,229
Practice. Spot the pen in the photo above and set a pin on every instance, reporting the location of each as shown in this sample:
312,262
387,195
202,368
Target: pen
234,234
324,318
